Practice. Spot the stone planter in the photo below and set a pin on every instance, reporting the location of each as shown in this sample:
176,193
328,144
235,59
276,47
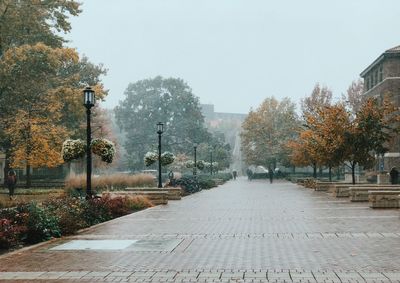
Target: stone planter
358,194
384,199
340,191
156,197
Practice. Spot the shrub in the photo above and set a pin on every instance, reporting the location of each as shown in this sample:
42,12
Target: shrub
31,223
138,203
10,234
189,184
41,224
206,184
95,211
224,176
68,211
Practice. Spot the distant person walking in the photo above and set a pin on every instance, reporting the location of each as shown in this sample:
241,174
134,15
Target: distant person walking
234,173
11,182
271,175
249,174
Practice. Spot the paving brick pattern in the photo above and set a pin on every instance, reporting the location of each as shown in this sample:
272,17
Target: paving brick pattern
239,232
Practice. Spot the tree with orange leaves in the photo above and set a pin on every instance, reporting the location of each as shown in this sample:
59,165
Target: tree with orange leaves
40,101
375,124
267,130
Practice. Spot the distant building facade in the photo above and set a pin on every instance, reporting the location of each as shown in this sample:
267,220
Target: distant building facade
382,79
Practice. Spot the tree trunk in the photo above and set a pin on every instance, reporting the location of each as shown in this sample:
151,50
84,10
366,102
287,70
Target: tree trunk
353,175
7,167
330,173
28,176
315,170
320,172
294,169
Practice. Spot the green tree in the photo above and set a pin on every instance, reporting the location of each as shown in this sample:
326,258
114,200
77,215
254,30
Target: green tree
170,101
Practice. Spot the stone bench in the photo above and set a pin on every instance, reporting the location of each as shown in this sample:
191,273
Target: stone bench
156,197
343,190
383,198
328,186
361,193
174,193
340,191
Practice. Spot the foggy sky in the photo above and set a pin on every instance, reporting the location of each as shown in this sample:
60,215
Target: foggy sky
235,53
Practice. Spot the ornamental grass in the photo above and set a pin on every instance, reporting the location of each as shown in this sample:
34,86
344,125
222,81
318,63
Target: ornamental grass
110,182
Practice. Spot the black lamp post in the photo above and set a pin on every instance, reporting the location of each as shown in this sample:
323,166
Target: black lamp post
211,163
88,102
195,161
160,130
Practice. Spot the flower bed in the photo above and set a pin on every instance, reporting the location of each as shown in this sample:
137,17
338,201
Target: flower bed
32,223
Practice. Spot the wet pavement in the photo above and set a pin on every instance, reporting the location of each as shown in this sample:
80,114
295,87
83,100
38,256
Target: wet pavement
239,232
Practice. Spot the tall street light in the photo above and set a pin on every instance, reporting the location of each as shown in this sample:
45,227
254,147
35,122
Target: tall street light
88,102
195,160
211,163
160,130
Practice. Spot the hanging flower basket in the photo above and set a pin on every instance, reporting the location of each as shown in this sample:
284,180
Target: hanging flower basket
200,164
103,148
150,158
73,149
189,164
167,158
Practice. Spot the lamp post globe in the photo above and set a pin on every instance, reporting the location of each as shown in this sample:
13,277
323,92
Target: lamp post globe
88,102
160,130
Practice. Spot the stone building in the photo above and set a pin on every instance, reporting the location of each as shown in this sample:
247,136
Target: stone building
382,78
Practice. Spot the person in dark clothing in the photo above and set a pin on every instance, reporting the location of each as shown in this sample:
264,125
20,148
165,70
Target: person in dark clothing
394,176
249,174
271,175
11,182
234,173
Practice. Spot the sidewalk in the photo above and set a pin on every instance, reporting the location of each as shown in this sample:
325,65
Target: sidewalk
242,231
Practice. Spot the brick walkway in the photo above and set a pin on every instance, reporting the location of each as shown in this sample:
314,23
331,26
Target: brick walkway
241,232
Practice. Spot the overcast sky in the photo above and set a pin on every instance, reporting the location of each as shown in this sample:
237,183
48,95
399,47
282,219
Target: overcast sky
235,53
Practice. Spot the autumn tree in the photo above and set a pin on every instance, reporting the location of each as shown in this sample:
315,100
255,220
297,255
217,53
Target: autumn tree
266,131
354,96
374,125
320,96
35,85
32,21
304,150
328,126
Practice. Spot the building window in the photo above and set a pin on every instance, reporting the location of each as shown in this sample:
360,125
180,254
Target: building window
372,80
380,73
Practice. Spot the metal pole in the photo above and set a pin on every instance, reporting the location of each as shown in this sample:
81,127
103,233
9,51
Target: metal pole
211,165
195,161
88,156
159,161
